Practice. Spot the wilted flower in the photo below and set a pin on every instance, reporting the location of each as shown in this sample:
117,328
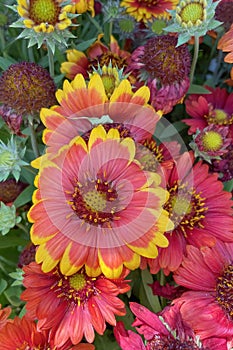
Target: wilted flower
11,155
12,119
148,10
26,87
164,68
10,189
193,18
8,218
224,166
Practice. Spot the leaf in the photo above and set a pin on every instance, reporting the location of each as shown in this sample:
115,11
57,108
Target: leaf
198,89
24,197
13,295
11,240
106,341
147,298
5,62
3,285
228,185
84,45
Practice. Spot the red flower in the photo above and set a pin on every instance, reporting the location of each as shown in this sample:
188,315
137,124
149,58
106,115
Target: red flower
72,306
200,210
208,273
214,108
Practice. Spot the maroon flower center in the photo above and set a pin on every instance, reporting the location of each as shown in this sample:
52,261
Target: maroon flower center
164,61
224,291
170,343
108,57
186,207
149,155
95,202
76,289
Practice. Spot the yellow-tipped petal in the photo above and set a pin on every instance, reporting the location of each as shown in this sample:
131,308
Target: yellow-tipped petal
97,133
42,255
109,271
66,266
79,82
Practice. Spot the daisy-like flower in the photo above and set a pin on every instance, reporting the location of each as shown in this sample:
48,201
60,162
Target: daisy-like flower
83,105
207,306
97,55
148,10
96,206
26,87
211,142
214,108
200,210
83,304
164,68
225,44
193,18
43,21
23,334
166,330
82,6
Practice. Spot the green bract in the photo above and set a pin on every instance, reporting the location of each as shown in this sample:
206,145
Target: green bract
8,218
193,18
11,159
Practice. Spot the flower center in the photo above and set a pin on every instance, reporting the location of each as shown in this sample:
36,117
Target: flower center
192,12
95,202
44,11
77,288
149,154
219,117
170,343
224,291
212,141
164,61
110,57
186,207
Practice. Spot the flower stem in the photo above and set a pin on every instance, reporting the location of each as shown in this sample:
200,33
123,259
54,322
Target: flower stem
22,227
51,61
195,57
33,137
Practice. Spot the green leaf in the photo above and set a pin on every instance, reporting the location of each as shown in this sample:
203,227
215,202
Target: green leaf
24,196
198,89
11,240
3,285
84,45
5,62
106,341
147,298
228,185
13,295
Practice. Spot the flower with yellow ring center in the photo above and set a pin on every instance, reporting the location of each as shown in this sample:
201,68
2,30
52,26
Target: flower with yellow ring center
44,15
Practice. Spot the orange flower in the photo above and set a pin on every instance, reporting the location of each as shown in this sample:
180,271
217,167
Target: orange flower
82,6
226,45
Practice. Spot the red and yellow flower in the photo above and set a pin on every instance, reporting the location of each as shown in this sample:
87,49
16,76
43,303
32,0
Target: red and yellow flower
96,207
82,6
71,307
148,10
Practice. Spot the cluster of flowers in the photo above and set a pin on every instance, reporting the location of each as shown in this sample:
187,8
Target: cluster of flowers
117,190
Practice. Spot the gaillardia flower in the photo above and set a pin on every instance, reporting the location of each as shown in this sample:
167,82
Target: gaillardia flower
193,18
97,55
214,108
96,206
83,304
207,306
225,44
26,87
200,210
149,10
23,334
224,13
82,6
165,330
224,166
211,143
83,105
164,68
43,21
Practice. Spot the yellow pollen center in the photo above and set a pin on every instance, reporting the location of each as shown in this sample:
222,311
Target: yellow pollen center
220,116
44,11
109,84
181,205
95,201
192,13
212,141
78,281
